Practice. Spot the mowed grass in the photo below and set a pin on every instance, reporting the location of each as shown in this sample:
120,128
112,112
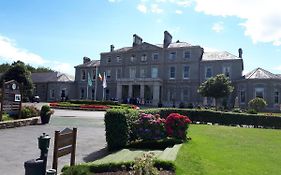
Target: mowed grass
219,150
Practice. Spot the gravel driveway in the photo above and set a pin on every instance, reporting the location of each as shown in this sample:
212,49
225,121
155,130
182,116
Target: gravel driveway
18,145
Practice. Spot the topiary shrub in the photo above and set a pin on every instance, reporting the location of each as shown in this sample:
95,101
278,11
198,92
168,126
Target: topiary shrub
181,105
257,104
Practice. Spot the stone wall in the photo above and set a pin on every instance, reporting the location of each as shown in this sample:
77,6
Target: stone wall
19,123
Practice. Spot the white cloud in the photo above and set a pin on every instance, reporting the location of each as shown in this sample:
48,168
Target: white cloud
155,9
142,8
179,12
10,52
218,27
113,1
184,3
63,67
262,19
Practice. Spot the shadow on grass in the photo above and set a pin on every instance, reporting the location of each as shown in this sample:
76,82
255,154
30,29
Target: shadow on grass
96,155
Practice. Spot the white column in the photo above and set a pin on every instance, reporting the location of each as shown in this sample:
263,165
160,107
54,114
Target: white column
130,93
119,92
156,91
142,91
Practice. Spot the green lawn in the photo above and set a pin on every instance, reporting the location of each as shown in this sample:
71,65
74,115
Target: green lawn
217,150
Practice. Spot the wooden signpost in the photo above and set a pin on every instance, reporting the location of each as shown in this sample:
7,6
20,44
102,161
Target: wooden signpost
11,98
65,143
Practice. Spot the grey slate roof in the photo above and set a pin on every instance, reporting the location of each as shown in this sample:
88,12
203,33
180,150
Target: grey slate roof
210,56
92,63
51,77
260,73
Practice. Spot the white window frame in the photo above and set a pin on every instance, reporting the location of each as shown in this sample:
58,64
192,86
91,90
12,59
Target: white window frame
183,72
206,71
170,72
132,72
120,75
118,59
108,74
184,54
143,58
154,72
185,97
224,71
153,56
133,58
142,72
173,55
108,60
259,90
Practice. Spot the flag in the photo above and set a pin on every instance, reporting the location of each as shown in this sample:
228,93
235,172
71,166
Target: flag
100,77
90,83
104,85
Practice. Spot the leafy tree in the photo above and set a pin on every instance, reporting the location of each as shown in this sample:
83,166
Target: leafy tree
18,71
4,67
216,87
257,104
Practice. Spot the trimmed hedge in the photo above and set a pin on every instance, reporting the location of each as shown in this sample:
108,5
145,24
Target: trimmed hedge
91,102
155,144
117,126
222,118
84,169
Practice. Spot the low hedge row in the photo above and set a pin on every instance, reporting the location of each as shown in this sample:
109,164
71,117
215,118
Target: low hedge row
91,102
85,169
222,118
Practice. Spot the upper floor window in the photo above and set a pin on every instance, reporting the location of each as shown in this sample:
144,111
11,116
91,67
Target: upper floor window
118,59
133,58
226,71
276,97
118,73
94,74
143,58
185,72
172,56
172,72
186,55
83,74
259,92
142,72
52,93
154,72
242,96
208,72
108,74
132,72
108,59
155,56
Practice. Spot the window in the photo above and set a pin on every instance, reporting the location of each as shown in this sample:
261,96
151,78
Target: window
171,95
93,94
276,97
82,93
185,95
172,72
259,92
94,74
142,72
118,73
108,74
185,72
226,71
83,75
143,58
186,55
119,59
242,96
208,72
172,56
154,72
132,72
108,59
155,56
52,93
133,58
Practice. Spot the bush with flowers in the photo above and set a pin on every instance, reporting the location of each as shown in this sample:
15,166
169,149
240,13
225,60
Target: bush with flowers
176,125
149,127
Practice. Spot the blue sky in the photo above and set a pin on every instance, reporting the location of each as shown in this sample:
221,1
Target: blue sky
59,33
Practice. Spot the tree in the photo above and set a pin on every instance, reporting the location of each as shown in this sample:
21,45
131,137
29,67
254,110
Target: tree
257,104
18,71
216,87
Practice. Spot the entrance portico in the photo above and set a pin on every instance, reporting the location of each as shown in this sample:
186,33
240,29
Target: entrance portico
144,91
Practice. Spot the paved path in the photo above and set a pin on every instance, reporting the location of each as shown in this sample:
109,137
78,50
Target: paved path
18,145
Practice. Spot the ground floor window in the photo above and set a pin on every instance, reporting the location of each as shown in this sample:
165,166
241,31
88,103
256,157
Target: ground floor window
93,94
276,97
82,93
259,92
52,93
242,96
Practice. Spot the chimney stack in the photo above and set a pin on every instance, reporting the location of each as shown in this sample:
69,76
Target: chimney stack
111,48
167,39
86,60
240,52
136,40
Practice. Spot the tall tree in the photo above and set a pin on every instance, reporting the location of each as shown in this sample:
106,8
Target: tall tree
216,87
18,71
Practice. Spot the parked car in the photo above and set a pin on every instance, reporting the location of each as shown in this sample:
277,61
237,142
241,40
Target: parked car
35,98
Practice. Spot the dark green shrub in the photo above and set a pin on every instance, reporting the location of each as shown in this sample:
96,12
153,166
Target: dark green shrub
165,165
76,170
181,105
44,110
252,111
118,124
257,104
190,105
111,167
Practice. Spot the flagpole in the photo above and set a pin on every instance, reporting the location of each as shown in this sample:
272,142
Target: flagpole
87,87
96,83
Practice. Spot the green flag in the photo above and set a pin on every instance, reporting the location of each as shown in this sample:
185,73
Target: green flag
90,83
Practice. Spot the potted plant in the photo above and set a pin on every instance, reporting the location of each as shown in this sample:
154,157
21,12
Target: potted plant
45,114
